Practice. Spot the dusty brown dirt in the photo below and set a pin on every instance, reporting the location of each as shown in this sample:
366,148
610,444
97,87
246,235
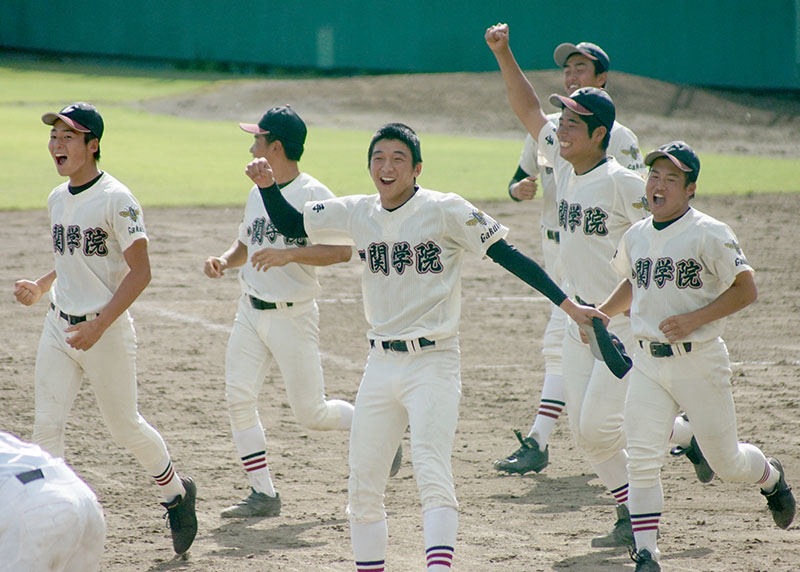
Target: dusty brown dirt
534,523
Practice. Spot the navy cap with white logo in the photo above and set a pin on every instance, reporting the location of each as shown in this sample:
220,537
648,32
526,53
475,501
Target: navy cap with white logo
282,122
591,51
681,155
589,101
80,116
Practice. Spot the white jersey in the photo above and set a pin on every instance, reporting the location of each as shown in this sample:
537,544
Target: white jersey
90,231
412,280
676,270
623,146
291,282
594,211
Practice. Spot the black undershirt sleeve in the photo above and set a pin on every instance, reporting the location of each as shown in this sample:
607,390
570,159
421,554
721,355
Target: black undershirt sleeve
526,269
287,219
518,176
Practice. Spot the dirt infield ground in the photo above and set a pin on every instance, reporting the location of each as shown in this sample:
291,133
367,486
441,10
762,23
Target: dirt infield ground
535,523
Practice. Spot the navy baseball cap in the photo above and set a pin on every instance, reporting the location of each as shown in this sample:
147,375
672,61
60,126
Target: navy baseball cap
681,155
282,122
80,116
591,51
589,101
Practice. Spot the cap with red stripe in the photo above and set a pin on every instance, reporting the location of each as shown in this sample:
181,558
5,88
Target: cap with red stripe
588,49
589,101
80,116
681,155
282,122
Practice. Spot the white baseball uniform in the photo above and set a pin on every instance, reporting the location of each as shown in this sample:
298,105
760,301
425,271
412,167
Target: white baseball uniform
676,270
412,300
91,230
624,147
277,315
594,210
50,519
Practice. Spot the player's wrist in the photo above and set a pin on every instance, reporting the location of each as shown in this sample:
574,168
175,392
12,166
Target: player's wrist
511,189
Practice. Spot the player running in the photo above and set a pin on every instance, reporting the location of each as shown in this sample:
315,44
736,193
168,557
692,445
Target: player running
584,65
598,200
101,267
277,313
684,272
412,241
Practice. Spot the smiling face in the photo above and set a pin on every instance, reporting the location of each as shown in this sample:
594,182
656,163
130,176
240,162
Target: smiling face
668,193
393,171
73,156
577,146
579,72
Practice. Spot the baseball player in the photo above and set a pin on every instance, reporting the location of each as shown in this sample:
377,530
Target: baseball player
277,313
47,513
412,241
683,273
101,266
585,65
598,200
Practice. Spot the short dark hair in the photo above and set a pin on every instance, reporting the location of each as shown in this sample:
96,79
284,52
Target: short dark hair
593,123
292,150
88,137
398,132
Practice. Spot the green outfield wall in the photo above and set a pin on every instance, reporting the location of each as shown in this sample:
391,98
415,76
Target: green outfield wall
702,42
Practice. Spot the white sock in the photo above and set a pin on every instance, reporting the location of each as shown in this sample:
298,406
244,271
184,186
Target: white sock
440,526
681,432
369,545
770,478
169,482
645,505
251,445
614,475
551,405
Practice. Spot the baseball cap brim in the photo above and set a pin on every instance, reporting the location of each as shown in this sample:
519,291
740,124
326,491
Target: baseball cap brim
564,51
51,118
252,128
653,155
562,101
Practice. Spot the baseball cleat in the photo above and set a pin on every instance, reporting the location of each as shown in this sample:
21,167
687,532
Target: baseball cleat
527,458
182,517
620,535
780,501
256,505
702,469
398,459
645,562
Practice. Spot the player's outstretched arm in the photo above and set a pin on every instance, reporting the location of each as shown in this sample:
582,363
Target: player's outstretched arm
28,292
136,280
235,256
314,255
287,219
520,92
741,293
527,270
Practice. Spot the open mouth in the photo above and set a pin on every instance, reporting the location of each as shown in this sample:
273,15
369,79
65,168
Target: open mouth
60,159
387,180
658,199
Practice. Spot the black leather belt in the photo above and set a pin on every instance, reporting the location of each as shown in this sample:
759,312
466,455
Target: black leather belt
71,319
403,345
29,476
262,305
553,235
664,350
